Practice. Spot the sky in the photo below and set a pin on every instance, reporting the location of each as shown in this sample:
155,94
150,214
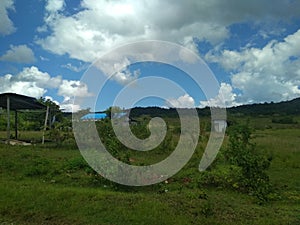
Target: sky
251,47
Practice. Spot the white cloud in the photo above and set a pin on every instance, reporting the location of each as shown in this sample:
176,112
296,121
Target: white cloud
225,98
18,54
52,100
184,101
263,74
42,29
73,88
6,25
115,66
126,76
32,82
7,84
77,69
68,105
34,75
100,26
44,58
55,5
103,25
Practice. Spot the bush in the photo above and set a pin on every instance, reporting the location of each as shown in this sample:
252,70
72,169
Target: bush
252,163
284,120
227,176
60,133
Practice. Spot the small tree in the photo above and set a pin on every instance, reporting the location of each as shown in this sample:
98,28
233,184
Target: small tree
243,153
112,110
59,126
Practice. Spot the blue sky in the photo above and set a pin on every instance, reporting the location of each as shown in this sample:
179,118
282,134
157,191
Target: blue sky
252,47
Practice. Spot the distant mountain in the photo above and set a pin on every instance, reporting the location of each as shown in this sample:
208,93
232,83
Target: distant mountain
291,107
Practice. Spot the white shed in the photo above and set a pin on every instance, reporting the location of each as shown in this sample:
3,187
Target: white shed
219,125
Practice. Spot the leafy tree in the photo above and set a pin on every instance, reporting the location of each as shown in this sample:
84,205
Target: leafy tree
112,110
55,113
77,115
241,152
59,126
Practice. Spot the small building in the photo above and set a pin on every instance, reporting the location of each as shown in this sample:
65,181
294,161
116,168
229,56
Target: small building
17,103
219,126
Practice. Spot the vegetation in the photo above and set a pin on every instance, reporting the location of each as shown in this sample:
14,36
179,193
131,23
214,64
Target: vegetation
254,180
250,162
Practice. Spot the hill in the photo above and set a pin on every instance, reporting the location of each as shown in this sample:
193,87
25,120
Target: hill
284,108
291,107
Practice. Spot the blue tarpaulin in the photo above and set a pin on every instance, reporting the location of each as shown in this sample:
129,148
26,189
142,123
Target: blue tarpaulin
94,116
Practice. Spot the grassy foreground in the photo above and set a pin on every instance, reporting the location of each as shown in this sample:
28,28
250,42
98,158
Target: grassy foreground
47,185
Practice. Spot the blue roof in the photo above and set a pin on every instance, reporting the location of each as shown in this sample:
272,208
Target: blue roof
94,116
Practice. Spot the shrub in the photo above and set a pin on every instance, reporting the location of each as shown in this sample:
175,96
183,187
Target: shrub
60,133
284,120
241,152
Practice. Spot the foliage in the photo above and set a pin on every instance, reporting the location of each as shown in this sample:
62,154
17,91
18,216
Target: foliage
222,177
59,127
110,141
283,108
284,120
291,107
241,152
61,132
43,185
112,110
33,120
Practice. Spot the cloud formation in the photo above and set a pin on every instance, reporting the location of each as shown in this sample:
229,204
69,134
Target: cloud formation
19,54
54,5
35,83
73,88
30,81
6,25
225,98
102,25
270,73
258,74
184,101
76,69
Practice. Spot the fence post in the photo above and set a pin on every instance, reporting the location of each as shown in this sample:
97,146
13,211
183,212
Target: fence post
8,119
45,124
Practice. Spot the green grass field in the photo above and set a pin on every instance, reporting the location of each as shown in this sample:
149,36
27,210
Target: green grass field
47,184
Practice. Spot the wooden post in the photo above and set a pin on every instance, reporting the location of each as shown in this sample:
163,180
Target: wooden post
16,125
8,119
50,116
45,125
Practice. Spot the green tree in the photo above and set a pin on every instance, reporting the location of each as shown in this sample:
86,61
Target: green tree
112,110
253,164
77,115
59,126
